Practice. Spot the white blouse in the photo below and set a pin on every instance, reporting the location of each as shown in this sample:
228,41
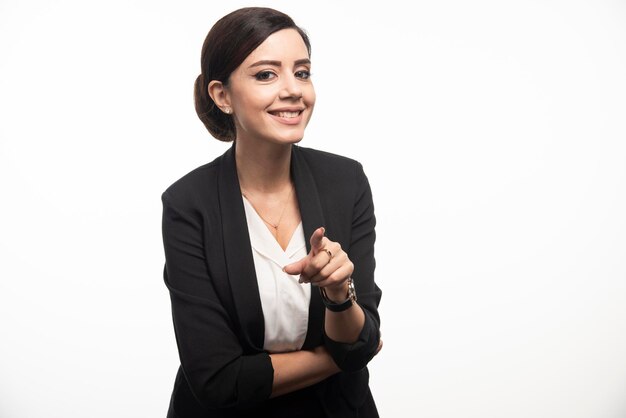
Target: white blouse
285,302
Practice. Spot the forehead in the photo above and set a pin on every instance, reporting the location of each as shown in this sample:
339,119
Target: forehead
286,44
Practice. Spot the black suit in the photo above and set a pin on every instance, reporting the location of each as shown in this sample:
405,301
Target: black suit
216,307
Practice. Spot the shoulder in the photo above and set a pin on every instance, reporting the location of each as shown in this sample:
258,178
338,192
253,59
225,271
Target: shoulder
329,167
186,191
314,156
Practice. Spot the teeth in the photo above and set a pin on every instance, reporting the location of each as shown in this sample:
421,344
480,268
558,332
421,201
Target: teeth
288,114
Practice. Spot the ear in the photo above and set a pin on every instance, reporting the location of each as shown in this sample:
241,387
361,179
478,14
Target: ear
219,94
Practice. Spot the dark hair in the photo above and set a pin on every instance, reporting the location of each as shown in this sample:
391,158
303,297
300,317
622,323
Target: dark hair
227,45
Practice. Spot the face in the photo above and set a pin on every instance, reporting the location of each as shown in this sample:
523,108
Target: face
271,94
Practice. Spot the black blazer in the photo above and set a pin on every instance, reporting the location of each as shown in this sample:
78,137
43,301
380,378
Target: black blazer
216,308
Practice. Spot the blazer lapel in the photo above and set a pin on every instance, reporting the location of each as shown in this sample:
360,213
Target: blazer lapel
238,254
312,218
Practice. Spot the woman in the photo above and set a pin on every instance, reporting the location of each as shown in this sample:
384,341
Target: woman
268,323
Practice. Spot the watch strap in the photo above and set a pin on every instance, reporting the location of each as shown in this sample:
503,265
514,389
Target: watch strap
341,306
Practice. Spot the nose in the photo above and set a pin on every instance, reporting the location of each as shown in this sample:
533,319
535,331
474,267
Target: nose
291,88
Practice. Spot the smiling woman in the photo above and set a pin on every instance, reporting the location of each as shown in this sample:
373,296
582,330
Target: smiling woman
267,321
271,99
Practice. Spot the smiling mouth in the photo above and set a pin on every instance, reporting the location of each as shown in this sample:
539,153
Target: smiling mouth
287,115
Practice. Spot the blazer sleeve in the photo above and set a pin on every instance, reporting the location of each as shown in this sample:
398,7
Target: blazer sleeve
212,359
353,357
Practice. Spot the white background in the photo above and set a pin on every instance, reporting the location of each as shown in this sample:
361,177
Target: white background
494,137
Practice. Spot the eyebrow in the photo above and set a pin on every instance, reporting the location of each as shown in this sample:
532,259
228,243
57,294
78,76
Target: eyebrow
278,63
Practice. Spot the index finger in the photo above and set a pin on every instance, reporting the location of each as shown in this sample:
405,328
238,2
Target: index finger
316,239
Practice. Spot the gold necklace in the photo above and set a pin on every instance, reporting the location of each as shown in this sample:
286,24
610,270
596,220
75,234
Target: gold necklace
280,218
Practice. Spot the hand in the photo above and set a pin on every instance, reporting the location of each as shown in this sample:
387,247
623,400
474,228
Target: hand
321,269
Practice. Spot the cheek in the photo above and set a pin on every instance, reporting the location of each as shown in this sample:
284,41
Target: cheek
251,108
256,100
309,96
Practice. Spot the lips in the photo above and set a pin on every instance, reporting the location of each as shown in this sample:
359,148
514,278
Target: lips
286,113
287,116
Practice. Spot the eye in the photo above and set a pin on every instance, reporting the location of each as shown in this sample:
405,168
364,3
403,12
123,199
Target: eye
264,75
303,74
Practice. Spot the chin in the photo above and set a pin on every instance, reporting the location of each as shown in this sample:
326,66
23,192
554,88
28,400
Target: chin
289,139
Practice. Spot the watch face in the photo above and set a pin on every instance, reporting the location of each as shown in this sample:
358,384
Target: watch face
340,306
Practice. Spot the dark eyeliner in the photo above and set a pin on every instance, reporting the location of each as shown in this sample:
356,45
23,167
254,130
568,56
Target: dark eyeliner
308,73
259,78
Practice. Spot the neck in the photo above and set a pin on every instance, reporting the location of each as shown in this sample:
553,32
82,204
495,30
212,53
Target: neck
263,166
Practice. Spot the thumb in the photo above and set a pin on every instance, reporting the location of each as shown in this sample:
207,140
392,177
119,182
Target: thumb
295,268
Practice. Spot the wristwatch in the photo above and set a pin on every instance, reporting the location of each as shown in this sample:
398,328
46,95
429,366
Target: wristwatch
341,306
